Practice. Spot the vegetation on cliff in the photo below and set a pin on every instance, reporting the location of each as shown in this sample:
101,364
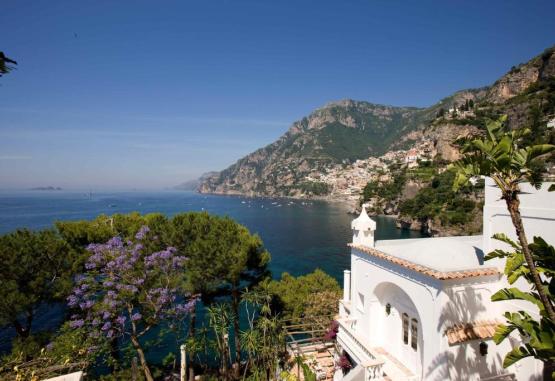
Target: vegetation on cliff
438,201
345,131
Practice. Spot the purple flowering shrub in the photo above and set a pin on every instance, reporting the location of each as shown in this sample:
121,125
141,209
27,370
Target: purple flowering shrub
331,333
127,290
344,363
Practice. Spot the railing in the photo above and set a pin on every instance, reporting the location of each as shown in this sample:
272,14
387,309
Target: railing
354,374
344,308
344,325
372,368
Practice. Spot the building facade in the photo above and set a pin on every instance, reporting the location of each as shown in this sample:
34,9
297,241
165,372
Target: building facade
421,309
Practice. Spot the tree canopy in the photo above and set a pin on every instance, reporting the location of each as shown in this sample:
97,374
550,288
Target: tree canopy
316,293
35,268
6,64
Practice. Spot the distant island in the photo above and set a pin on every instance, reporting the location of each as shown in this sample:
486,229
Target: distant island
50,188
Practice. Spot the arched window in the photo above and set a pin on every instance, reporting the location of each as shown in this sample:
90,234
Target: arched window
414,334
405,328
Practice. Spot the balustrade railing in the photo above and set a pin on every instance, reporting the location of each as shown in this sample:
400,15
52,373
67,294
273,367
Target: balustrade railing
373,368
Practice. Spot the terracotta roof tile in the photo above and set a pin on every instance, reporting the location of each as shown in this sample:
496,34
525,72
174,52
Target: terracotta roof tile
441,275
478,330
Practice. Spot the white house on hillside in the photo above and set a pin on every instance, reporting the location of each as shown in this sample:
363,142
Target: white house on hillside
420,309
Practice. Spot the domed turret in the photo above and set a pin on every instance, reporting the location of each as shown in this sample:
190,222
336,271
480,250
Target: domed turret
363,229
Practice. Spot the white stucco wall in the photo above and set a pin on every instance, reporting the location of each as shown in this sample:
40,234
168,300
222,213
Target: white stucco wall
537,208
380,284
438,305
467,301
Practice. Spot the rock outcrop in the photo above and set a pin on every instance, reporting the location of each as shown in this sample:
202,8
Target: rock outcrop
342,132
521,77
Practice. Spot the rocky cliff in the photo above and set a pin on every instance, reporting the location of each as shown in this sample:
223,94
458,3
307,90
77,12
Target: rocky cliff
343,132
340,132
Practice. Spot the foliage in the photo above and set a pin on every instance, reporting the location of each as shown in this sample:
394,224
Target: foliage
333,329
316,293
264,341
424,172
316,188
127,290
440,200
308,374
147,273
540,335
32,360
220,251
287,376
35,268
344,363
6,64
220,318
79,234
385,191
224,258
503,155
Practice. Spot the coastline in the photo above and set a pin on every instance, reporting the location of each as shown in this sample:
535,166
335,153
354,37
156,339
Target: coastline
349,205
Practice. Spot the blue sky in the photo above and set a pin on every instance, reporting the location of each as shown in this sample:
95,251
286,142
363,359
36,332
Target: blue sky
146,94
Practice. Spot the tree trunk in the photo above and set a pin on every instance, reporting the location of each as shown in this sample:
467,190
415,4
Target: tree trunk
24,331
549,370
114,353
21,331
236,329
192,330
142,358
223,363
513,204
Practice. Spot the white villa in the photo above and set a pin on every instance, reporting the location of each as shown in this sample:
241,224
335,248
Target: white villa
420,309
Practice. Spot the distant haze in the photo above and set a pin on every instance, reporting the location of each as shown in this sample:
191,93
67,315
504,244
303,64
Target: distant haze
147,95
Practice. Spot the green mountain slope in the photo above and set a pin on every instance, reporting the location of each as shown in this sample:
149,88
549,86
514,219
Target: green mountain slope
344,131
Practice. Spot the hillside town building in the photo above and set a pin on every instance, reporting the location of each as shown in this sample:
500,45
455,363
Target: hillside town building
421,309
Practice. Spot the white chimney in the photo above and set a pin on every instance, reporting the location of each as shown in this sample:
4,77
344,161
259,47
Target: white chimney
363,229
346,286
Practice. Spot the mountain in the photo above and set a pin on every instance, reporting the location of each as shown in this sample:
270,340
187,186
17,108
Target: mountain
336,134
193,185
340,133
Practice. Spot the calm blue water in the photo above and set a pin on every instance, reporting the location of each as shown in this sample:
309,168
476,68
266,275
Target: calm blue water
301,236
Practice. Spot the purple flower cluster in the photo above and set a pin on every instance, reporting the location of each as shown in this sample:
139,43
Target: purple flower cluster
331,333
141,234
344,363
125,287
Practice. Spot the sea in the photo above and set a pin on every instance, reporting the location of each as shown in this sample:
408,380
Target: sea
301,235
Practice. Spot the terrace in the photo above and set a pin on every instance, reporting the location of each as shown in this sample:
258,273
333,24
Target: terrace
374,363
